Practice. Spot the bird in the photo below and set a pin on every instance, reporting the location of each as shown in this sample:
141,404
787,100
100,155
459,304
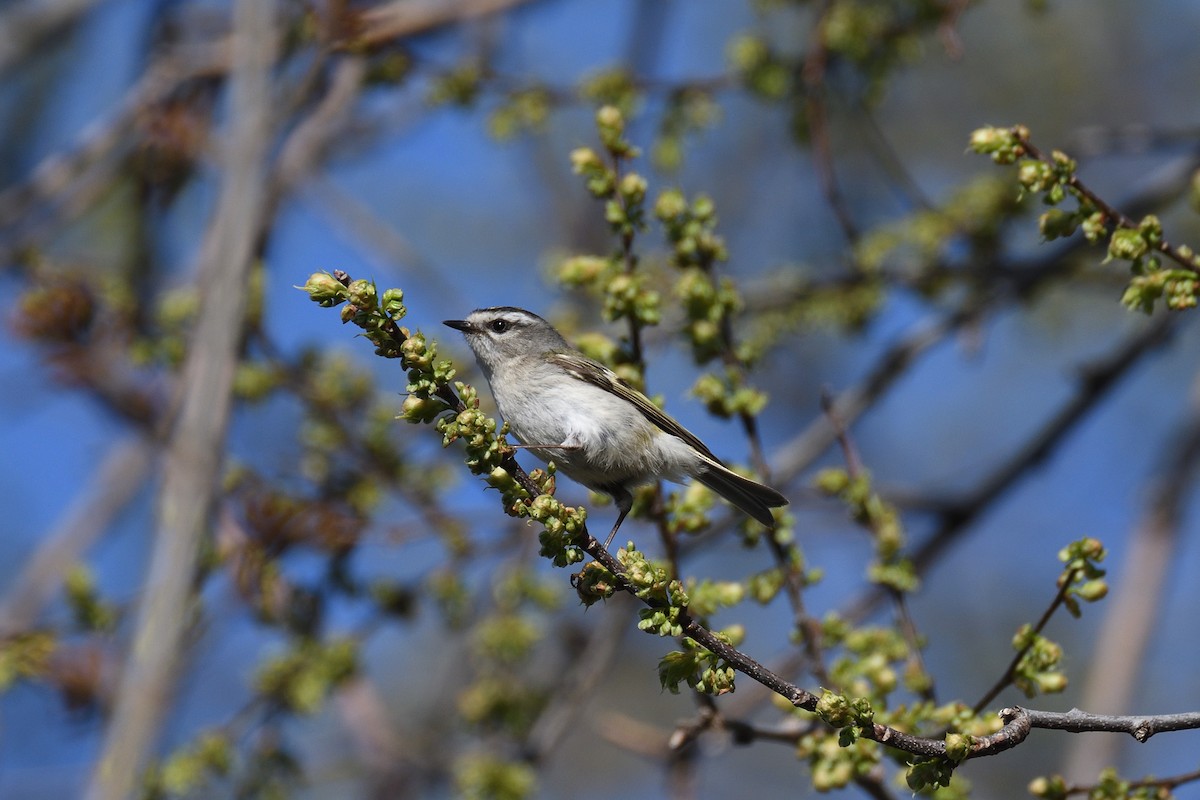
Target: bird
597,429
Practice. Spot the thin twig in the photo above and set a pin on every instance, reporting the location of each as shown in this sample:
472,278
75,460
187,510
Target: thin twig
1096,381
908,626
1006,678
1175,253
813,75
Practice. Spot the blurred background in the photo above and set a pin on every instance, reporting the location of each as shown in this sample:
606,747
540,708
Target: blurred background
994,386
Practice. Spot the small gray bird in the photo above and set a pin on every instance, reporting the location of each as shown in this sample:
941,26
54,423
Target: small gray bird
597,429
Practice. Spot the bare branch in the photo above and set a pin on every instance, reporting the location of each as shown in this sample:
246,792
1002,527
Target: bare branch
407,17
24,26
114,485
195,445
1076,721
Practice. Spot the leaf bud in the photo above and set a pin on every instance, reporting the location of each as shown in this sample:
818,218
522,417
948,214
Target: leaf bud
324,289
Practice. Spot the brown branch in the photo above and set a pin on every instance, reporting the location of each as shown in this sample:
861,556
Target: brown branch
1076,721
813,75
907,625
1096,380
195,445
1019,281
1175,253
803,449
578,680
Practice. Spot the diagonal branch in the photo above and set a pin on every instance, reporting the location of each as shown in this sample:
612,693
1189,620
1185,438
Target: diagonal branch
26,25
195,445
115,484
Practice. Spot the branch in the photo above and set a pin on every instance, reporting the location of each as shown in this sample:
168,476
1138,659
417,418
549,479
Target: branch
1096,381
408,17
1076,721
195,445
799,453
390,340
813,74
116,482
1176,254
24,26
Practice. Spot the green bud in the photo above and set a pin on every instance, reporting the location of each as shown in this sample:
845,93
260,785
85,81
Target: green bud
1052,788
582,270
745,52
1093,590
1057,223
1151,228
1095,226
610,121
594,583
584,161
417,353
392,303
832,481
1023,637
958,747
501,479
361,293
670,205
324,289
1127,244
633,188
1034,175
834,709
1051,682
990,139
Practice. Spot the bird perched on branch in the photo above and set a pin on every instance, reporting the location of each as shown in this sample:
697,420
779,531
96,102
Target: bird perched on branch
597,429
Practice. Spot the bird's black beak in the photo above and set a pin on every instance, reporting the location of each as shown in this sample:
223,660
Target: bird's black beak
459,325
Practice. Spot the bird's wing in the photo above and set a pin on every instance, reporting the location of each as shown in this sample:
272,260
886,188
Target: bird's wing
585,369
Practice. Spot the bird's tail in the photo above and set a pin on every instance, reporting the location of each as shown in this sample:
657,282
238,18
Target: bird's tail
750,496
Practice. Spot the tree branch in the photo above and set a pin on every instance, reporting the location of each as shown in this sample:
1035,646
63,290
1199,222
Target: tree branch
195,445
1076,721
114,485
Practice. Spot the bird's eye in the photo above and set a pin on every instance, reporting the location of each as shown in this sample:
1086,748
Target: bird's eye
498,325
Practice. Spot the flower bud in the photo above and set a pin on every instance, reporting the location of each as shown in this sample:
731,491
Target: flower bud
362,293
610,117
324,289
633,188
1127,244
584,160
392,303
